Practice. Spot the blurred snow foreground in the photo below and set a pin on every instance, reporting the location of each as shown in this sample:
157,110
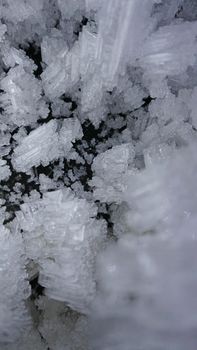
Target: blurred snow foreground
98,200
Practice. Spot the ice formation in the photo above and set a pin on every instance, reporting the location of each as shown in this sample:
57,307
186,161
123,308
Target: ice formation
16,290
22,107
64,246
109,168
98,204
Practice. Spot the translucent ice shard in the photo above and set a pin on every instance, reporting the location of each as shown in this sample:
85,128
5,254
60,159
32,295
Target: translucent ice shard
171,49
12,57
4,170
117,43
109,169
40,147
121,36
88,45
21,98
3,29
53,47
62,73
70,131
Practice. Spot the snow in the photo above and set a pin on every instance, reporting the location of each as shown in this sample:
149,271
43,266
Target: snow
147,294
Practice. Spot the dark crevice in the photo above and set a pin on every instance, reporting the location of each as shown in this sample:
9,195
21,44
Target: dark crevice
68,99
33,51
36,289
179,12
79,26
28,128
106,217
6,70
49,117
147,101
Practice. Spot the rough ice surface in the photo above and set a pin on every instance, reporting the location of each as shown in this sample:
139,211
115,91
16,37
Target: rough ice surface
109,168
21,99
4,170
70,331
20,11
98,204
62,73
67,243
15,289
164,56
40,146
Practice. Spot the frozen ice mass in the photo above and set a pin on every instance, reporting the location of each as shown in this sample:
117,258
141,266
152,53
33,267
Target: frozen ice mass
98,164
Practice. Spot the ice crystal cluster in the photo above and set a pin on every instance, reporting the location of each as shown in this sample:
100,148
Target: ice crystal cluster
98,163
